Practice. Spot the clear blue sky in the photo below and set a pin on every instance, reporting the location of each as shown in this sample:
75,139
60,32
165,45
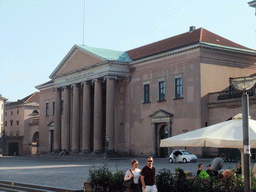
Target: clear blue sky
35,35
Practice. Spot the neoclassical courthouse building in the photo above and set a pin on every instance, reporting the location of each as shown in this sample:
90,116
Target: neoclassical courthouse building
132,99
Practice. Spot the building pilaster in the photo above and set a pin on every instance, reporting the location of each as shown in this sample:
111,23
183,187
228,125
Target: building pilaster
75,127
86,138
57,120
98,137
110,113
65,131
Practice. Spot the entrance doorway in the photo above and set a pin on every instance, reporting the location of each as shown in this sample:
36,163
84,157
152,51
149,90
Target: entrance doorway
13,149
163,135
162,128
51,140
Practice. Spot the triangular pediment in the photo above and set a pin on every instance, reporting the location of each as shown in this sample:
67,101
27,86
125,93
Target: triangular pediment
75,60
51,124
82,57
161,114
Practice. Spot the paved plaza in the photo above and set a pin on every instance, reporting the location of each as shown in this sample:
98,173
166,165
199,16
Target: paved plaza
71,173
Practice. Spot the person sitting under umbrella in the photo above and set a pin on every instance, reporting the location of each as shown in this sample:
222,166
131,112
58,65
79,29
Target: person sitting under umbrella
201,173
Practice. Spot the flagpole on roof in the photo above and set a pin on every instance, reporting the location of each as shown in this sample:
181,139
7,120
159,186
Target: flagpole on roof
83,21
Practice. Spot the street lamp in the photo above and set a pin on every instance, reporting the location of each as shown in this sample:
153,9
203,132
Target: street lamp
106,146
244,84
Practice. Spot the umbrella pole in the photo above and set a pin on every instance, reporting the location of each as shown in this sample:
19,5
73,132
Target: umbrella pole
242,161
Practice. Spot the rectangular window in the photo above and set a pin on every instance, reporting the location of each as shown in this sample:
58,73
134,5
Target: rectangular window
5,123
178,88
18,112
146,93
46,108
11,113
17,122
53,107
161,91
11,122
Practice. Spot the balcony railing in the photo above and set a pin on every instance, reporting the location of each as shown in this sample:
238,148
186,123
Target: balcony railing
220,97
233,94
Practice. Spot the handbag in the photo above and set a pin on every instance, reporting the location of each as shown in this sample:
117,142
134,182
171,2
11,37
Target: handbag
128,183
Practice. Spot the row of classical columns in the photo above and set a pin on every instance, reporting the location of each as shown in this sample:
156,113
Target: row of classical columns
62,137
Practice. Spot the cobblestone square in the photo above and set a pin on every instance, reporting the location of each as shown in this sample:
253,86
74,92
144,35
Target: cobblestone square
71,173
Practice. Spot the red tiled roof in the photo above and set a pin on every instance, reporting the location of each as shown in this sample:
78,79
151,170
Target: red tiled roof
34,97
182,40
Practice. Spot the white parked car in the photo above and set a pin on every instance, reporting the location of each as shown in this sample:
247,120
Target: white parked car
182,156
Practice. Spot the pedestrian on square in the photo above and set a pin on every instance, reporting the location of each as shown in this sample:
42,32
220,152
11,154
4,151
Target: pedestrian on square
148,176
134,173
201,172
209,171
239,168
181,174
217,164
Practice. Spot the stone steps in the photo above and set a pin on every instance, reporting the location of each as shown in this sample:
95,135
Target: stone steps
20,187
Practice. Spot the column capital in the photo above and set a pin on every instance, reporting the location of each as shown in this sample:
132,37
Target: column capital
110,77
96,80
65,87
56,89
85,83
74,85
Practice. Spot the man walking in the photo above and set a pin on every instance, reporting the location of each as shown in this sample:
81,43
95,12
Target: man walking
148,177
217,164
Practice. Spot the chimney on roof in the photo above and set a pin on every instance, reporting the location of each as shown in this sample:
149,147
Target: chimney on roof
192,28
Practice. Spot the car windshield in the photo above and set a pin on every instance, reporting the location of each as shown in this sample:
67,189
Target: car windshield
186,153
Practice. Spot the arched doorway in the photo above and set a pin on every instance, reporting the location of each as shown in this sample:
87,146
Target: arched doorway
163,134
35,143
161,129
35,138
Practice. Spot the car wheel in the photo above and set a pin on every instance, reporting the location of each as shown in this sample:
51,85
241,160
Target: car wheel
184,160
171,160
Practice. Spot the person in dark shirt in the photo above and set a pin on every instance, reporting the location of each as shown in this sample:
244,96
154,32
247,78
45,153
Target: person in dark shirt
239,168
209,171
181,174
148,176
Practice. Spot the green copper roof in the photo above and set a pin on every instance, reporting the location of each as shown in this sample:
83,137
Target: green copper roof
107,53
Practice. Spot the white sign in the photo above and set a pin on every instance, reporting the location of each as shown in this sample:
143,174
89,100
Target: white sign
247,149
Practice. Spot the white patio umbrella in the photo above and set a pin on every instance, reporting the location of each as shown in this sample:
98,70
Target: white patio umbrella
228,134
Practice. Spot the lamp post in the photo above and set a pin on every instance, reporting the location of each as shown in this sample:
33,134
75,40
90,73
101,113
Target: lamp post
106,146
244,84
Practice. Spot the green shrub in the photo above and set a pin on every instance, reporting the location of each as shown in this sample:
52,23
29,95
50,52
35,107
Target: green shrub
230,183
163,179
102,179
116,181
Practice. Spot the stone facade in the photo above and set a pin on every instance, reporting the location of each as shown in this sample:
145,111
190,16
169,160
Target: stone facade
128,101
2,120
22,126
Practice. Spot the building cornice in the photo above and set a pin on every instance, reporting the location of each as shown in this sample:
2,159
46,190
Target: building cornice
108,62
164,55
199,45
45,86
252,3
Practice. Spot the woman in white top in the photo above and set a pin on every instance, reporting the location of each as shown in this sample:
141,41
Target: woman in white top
134,173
